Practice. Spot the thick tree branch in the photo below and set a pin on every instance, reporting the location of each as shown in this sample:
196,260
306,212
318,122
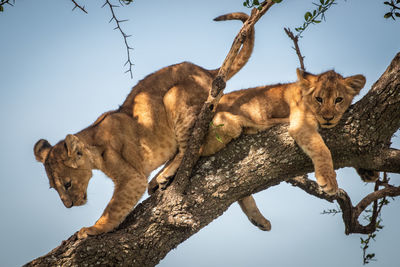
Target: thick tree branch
247,165
387,160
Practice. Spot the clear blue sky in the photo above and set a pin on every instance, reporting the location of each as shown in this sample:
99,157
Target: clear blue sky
60,69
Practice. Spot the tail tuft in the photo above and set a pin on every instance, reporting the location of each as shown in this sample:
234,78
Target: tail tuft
232,16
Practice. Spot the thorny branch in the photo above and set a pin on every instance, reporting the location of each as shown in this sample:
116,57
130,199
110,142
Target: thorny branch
78,6
124,35
4,2
295,40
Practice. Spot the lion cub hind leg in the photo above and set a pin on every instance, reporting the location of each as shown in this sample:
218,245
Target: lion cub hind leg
129,187
368,176
182,116
249,207
224,127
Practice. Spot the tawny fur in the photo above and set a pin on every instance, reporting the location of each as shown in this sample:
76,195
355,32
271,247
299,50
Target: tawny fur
313,101
150,128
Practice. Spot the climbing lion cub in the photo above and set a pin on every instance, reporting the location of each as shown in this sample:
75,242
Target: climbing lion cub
151,127
311,102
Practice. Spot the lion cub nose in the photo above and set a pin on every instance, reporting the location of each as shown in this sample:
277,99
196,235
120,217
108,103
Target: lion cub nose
328,118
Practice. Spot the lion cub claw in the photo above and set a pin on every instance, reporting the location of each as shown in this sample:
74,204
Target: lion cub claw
328,183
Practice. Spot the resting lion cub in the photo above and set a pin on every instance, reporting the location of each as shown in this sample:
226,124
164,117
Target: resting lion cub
151,127
311,102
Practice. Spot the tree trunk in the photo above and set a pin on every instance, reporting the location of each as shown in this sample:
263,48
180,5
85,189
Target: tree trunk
247,165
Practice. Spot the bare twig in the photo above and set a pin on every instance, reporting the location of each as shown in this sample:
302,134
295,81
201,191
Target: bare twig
295,40
207,112
78,6
4,2
124,35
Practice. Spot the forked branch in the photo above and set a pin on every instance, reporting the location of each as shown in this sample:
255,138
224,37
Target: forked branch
351,213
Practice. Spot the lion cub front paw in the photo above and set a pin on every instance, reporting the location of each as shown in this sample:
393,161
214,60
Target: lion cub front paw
327,182
87,231
163,181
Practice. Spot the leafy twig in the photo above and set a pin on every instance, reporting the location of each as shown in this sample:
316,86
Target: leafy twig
394,9
124,35
315,16
374,217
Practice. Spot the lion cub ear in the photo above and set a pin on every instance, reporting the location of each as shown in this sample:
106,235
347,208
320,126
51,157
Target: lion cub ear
306,81
74,148
41,150
354,84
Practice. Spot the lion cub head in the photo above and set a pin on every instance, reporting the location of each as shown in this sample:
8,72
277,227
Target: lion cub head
328,95
68,168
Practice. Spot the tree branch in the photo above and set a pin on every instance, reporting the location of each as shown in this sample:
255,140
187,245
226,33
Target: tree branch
387,160
296,47
208,110
124,35
247,165
78,6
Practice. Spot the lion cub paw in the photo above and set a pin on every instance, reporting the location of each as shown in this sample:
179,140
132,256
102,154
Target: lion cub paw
368,176
87,231
328,183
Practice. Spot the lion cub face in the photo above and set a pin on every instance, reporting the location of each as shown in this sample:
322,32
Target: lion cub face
68,168
328,95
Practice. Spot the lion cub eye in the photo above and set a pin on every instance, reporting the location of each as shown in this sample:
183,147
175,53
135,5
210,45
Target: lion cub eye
338,100
67,185
319,99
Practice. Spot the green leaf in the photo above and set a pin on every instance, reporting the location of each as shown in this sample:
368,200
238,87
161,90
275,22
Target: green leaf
307,16
1,9
388,15
397,14
255,2
317,21
277,1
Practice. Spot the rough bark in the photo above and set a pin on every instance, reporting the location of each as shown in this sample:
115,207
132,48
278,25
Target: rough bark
247,165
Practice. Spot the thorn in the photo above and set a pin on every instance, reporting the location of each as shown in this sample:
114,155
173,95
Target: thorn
116,28
104,4
124,20
111,20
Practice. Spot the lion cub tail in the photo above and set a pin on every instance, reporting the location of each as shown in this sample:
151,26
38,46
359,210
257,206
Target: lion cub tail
247,47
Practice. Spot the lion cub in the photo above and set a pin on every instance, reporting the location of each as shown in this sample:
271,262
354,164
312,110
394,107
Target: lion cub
151,127
311,102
